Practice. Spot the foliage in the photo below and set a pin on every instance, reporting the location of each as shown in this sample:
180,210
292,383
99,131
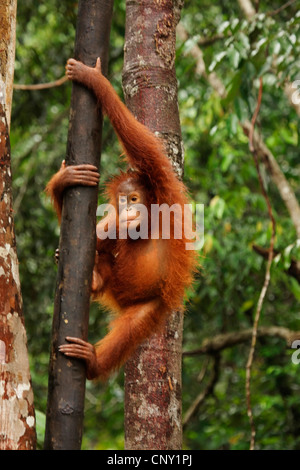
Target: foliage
220,173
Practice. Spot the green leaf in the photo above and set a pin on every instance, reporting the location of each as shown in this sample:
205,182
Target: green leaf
217,206
233,88
217,59
232,124
234,57
241,109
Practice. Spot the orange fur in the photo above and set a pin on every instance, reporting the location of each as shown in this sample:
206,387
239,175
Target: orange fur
140,281
55,191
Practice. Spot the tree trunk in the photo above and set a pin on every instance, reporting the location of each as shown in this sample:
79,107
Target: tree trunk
153,375
8,13
78,239
17,422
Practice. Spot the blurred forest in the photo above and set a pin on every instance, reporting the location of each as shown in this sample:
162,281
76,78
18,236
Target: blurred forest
221,54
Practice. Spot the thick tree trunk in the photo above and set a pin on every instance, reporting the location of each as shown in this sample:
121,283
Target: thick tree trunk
153,375
8,13
17,422
78,239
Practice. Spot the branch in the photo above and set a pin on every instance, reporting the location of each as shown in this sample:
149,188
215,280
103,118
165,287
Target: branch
214,346
283,7
247,8
228,340
249,11
41,86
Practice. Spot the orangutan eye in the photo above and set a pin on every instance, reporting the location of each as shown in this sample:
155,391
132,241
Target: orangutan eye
134,198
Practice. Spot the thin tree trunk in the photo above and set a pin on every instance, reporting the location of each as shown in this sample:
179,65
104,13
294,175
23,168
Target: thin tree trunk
17,422
78,239
153,374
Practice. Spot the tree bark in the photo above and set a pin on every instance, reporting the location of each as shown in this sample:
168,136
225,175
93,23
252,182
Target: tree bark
17,421
153,374
8,14
78,238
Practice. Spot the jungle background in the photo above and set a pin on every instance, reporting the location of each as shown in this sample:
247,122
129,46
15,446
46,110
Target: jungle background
220,173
